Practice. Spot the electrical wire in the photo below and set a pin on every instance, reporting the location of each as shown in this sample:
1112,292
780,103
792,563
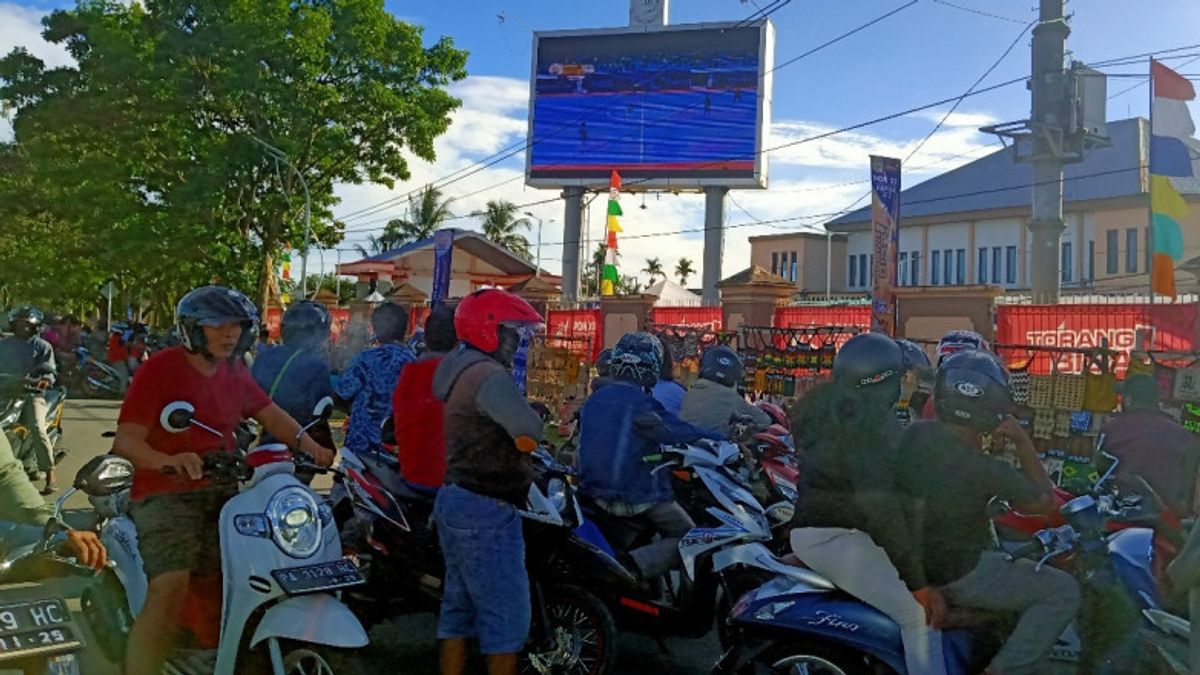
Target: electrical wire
979,12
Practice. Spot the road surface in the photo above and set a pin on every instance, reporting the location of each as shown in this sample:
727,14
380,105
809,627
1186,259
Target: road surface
409,641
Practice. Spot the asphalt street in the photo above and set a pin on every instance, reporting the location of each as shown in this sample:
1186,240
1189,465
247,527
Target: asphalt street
405,646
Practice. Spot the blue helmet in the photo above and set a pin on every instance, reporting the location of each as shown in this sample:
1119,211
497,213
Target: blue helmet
722,365
637,358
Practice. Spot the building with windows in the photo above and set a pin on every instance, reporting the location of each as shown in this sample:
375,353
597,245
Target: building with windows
800,258
968,226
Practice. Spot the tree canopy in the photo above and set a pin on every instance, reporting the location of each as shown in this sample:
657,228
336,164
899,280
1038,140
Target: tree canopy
144,161
501,225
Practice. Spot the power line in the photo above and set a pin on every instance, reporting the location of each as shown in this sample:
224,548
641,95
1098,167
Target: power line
1147,81
979,12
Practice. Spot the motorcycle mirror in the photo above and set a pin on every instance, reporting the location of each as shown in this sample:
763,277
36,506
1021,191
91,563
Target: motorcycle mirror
177,416
104,475
324,408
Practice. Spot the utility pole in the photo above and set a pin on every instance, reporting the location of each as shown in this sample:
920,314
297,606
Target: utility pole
1067,119
1047,116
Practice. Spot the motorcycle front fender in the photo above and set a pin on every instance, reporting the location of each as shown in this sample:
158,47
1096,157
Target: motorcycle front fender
318,619
585,564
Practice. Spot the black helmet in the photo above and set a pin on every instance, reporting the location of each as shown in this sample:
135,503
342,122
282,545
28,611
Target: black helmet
390,322
972,390
305,324
604,363
637,358
868,360
26,313
214,306
959,340
722,365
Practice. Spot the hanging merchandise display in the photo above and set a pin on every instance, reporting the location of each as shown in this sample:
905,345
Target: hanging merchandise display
687,344
556,371
785,363
1063,411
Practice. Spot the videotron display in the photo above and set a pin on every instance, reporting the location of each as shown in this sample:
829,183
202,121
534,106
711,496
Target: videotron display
683,106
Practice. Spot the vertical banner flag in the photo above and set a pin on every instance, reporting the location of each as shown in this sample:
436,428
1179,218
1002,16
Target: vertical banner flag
608,282
885,238
1174,158
443,257
286,271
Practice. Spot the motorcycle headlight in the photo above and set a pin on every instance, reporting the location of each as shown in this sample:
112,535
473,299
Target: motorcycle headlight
295,522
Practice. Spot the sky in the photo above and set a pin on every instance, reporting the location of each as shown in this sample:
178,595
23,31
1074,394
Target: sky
927,51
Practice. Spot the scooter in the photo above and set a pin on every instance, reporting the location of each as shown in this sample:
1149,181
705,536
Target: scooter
800,622
93,377
281,562
15,423
38,634
572,631
685,602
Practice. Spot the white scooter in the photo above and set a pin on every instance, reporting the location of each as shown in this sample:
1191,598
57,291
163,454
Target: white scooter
281,557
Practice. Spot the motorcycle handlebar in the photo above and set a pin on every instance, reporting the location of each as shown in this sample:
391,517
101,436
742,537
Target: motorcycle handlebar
1031,548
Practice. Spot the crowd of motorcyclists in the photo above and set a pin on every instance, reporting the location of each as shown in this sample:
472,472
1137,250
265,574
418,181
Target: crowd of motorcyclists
892,503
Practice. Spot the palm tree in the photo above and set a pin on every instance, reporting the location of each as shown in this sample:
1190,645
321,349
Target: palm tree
683,270
501,227
425,215
654,268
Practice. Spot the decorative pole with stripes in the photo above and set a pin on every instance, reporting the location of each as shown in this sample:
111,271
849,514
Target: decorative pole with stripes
608,282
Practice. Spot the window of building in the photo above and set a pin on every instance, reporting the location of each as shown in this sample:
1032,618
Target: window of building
981,267
1091,260
902,269
1131,250
1010,264
935,268
960,265
948,266
853,276
1066,266
866,263
1149,249
1110,251
775,263
996,258
795,269
915,271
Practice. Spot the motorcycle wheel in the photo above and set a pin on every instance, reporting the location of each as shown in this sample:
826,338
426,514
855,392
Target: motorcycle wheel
584,636
300,658
817,659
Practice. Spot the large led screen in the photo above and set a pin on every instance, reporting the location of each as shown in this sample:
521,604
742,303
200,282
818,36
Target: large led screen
678,107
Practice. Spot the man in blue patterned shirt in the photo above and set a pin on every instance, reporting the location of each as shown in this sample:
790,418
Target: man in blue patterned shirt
370,378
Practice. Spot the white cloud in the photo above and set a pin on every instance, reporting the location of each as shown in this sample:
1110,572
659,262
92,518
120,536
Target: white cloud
22,27
809,183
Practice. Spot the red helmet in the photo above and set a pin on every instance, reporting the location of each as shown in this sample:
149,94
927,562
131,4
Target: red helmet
479,316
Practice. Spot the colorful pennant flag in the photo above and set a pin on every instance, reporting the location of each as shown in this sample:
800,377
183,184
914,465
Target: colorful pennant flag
608,282
1174,164
286,272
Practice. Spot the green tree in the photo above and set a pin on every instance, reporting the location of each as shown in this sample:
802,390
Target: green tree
683,270
501,225
150,148
654,269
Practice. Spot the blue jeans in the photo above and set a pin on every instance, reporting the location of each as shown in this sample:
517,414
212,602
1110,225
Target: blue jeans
486,592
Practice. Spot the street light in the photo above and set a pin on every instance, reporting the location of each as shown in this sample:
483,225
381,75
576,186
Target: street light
279,155
538,272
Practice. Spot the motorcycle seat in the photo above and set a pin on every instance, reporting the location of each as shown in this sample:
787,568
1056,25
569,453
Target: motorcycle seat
386,470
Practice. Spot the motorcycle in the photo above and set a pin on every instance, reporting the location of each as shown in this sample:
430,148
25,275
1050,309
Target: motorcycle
572,631
15,423
685,602
800,622
92,377
281,564
38,634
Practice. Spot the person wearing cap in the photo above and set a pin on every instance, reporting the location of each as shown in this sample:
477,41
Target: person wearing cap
1151,445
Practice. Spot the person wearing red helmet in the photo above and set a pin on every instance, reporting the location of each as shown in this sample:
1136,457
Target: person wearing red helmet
490,431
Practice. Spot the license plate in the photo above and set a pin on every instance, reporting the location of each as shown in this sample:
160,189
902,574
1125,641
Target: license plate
33,628
321,577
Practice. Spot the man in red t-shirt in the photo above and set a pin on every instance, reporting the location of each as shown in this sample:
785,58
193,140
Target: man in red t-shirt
418,414
175,509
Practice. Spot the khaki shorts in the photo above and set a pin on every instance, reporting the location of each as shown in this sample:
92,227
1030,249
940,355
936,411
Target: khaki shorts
180,531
